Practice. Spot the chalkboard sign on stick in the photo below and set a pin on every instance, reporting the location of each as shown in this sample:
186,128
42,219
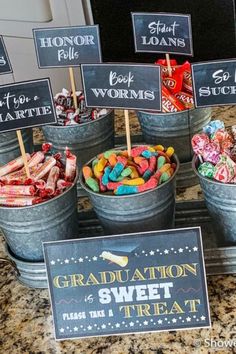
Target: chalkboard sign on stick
162,33
214,83
128,86
67,46
26,104
5,65
142,282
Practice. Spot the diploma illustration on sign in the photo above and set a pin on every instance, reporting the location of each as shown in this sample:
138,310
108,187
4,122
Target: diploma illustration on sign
122,261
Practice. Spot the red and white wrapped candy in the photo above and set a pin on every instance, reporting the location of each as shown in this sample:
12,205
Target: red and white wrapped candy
52,180
13,165
19,202
17,190
70,166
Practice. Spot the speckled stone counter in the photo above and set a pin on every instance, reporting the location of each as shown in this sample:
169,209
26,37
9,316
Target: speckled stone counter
26,321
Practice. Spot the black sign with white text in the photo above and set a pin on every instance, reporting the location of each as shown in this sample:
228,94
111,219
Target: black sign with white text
26,104
142,282
5,65
67,46
214,83
162,33
128,86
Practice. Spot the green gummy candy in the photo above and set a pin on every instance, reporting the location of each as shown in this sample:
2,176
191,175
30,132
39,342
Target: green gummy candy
94,162
160,161
108,153
126,172
93,184
164,177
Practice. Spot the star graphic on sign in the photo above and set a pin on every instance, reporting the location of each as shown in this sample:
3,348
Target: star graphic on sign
166,251
62,330
89,327
188,319
174,320
145,323
66,260
117,325
75,329
159,321
52,262
95,258
151,253
195,249
131,324
103,326
203,318
180,250
81,259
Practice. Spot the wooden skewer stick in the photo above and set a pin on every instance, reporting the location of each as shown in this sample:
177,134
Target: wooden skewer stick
22,149
72,83
168,65
127,130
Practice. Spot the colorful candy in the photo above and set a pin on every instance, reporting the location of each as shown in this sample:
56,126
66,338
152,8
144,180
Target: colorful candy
146,168
216,149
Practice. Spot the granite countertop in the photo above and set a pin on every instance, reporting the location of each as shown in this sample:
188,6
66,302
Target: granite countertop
26,320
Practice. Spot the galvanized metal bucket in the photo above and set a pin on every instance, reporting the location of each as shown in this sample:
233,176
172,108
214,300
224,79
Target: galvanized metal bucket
25,228
150,210
31,274
84,140
9,146
220,200
175,129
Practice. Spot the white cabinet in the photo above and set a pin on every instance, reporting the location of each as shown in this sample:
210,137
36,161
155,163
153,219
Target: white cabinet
18,18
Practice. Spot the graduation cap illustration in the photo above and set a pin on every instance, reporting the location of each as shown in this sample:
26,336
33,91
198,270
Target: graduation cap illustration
118,252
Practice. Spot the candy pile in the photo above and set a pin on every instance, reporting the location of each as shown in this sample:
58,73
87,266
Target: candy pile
48,178
177,90
68,115
216,149
146,168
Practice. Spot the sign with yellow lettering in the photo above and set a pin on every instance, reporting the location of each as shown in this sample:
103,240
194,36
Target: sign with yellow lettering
144,282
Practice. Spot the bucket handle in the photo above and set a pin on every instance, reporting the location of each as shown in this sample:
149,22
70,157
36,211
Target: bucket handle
12,263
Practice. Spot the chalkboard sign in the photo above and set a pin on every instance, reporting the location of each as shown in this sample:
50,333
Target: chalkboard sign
214,83
152,281
26,104
213,28
162,33
5,65
122,86
67,46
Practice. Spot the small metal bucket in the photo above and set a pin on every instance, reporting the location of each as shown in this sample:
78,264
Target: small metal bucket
220,200
175,129
150,210
25,228
84,140
9,146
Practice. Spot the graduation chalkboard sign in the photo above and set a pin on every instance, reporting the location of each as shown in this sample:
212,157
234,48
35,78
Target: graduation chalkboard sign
214,83
132,283
67,46
128,86
5,65
26,104
162,33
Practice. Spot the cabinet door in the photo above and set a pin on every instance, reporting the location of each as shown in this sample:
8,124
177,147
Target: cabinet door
17,20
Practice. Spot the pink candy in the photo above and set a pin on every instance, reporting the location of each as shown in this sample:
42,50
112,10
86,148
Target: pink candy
198,143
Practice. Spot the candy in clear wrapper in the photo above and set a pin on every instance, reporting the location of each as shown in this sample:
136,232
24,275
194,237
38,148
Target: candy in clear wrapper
224,139
198,143
225,169
206,169
213,126
211,152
